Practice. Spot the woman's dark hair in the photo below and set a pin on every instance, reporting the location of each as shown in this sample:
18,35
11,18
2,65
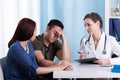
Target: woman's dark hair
24,31
94,17
55,22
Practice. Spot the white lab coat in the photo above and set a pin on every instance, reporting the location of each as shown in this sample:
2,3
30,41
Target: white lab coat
111,47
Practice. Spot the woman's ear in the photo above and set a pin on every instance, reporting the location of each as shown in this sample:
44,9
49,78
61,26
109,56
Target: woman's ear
98,23
47,29
35,32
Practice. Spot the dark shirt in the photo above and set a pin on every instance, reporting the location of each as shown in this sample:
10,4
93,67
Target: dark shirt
48,52
20,64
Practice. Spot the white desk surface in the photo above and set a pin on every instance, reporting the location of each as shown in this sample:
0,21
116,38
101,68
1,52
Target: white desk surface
86,71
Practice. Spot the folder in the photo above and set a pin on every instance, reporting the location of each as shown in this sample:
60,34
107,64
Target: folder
87,60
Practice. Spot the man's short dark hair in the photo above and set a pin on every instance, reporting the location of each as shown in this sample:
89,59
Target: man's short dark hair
55,22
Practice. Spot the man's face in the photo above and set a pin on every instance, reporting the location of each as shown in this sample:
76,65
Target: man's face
53,33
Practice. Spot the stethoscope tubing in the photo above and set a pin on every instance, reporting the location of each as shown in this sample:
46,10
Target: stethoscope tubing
104,50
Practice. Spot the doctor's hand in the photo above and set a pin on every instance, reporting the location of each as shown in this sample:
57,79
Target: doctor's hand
82,56
102,61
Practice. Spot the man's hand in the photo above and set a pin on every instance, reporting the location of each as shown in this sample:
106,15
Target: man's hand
61,35
69,68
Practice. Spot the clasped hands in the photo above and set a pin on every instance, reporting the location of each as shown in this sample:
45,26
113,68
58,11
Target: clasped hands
65,65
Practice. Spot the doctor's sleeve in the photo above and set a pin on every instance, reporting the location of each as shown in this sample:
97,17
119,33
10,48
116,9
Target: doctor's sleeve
82,46
116,50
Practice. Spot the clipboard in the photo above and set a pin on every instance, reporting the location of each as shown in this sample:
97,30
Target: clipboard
87,60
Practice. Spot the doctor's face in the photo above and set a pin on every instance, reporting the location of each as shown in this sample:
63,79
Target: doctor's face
91,27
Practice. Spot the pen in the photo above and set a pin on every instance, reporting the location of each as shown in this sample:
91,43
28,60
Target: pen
79,52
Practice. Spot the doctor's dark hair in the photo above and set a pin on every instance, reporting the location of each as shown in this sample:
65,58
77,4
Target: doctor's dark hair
24,31
94,17
55,22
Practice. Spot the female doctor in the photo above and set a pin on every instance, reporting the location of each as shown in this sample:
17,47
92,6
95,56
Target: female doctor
97,43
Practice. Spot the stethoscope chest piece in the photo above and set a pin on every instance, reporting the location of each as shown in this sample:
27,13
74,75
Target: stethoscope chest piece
104,52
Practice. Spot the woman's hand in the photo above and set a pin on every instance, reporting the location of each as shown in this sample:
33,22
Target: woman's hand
61,65
69,68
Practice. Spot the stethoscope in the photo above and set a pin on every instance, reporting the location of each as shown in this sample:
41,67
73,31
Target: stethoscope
104,50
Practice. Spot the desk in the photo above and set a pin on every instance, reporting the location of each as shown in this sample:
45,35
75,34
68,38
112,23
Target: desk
86,71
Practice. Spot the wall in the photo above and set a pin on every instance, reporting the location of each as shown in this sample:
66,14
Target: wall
11,11
71,13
